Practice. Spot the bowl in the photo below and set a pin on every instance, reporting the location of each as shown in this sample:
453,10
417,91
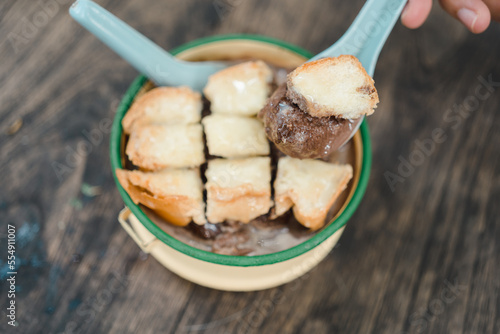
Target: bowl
229,272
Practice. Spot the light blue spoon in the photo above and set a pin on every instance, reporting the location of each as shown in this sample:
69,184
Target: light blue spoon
147,57
364,39
367,34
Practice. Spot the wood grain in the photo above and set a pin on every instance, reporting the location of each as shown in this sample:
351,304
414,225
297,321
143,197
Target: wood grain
421,258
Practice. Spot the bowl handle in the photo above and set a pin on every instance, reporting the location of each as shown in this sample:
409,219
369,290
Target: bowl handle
123,218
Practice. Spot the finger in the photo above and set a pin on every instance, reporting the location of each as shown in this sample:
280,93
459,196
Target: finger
494,7
474,14
415,13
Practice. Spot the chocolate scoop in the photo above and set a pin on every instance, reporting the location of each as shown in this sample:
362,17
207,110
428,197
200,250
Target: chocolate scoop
300,135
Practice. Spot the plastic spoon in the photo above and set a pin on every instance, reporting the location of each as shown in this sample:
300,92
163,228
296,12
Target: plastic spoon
147,57
364,39
368,32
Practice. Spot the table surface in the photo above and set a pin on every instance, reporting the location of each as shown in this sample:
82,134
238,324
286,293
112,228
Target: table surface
420,255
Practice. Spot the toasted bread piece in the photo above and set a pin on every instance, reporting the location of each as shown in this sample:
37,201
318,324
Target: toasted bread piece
238,189
164,105
310,187
235,136
154,147
174,194
239,90
335,86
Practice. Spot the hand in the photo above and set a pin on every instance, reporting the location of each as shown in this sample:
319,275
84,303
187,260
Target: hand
474,14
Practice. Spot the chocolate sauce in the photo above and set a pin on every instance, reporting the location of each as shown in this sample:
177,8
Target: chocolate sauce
300,135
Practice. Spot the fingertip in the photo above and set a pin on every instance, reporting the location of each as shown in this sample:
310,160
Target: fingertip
481,25
474,14
476,20
415,13
410,22
483,21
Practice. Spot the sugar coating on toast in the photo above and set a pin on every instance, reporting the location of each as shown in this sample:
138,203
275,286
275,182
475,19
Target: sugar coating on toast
164,105
174,194
235,136
310,187
334,86
240,89
238,189
155,147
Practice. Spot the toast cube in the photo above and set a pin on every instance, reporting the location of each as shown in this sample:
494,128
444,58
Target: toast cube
238,189
334,86
174,194
164,105
154,147
240,89
310,187
235,136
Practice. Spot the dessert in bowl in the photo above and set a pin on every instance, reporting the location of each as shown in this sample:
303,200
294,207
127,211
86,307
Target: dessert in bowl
272,246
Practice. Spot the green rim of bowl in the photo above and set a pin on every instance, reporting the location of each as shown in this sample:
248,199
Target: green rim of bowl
232,260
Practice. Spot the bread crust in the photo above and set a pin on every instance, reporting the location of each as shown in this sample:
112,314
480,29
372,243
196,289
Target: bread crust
235,136
154,147
289,195
164,105
176,209
315,109
241,89
232,197
238,209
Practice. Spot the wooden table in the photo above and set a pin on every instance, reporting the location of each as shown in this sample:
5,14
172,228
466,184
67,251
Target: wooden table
420,255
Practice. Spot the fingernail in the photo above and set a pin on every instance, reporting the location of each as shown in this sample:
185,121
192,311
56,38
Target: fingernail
405,11
468,17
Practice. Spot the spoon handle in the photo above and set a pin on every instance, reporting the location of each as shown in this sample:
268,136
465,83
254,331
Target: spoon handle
367,34
147,57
